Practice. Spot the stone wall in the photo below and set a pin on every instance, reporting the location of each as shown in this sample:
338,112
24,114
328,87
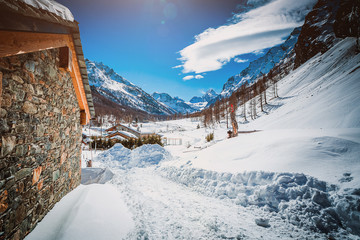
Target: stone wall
40,140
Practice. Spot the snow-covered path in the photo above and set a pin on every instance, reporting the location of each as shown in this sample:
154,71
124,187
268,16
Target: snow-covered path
164,209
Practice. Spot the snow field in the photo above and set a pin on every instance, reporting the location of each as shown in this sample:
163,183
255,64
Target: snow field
322,93
323,153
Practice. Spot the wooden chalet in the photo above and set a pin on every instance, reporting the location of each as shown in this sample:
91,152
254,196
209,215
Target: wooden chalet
121,127
120,134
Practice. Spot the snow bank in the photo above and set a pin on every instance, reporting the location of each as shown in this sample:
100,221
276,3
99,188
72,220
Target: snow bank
145,155
303,200
118,153
88,212
51,6
95,175
149,154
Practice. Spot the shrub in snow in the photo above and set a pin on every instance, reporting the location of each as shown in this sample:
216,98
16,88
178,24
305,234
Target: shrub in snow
209,137
134,143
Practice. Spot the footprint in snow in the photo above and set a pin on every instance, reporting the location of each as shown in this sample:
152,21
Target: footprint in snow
262,222
346,178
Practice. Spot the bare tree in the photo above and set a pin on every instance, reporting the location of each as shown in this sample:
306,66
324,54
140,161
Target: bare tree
273,81
255,94
217,111
262,91
243,93
233,107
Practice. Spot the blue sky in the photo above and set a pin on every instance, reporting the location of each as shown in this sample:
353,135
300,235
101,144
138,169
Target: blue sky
182,47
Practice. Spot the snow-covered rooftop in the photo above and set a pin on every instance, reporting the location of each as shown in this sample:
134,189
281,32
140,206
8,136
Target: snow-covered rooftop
51,6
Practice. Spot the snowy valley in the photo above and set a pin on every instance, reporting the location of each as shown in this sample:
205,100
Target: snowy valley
292,172
296,177
242,121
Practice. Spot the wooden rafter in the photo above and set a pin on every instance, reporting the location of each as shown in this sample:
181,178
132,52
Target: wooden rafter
13,43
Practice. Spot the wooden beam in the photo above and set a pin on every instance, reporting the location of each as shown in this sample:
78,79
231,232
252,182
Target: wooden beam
13,43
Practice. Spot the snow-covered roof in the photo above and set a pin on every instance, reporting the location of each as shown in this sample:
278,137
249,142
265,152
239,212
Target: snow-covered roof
117,137
124,133
51,6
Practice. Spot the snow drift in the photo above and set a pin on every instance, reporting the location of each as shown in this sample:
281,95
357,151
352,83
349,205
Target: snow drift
303,200
143,156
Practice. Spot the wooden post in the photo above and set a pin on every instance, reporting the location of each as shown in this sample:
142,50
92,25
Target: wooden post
65,57
82,117
0,88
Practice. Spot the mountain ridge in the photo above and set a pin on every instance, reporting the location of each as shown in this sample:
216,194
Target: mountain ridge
121,91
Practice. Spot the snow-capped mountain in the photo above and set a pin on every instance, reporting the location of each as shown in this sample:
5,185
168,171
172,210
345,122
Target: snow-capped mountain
199,103
261,65
119,90
316,35
175,103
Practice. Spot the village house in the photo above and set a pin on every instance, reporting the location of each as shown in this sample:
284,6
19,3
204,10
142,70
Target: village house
121,135
121,127
44,99
127,132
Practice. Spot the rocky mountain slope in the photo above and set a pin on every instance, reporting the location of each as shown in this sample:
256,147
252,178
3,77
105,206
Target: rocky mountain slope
200,103
177,104
317,34
327,20
261,65
122,92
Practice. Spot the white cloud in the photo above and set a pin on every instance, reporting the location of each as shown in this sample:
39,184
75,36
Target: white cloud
187,78
239,60
257,29
259,52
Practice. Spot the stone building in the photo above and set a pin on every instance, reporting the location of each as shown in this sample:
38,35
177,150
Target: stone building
44,99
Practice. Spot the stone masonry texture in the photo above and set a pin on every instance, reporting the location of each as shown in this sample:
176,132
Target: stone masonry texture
40,140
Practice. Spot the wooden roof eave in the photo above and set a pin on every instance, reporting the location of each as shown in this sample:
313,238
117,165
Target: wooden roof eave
83,70
27,29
